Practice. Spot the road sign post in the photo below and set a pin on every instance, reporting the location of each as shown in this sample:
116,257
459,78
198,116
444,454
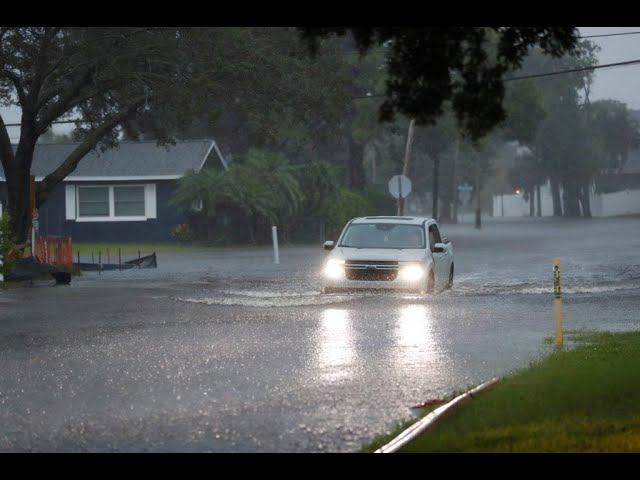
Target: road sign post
400,188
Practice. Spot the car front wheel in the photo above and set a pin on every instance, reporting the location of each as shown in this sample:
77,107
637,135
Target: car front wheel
431,283
450,282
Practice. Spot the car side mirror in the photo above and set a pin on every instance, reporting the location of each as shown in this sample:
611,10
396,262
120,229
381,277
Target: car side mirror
328,245
438,247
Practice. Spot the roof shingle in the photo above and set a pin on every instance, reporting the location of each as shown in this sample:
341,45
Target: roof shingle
127,159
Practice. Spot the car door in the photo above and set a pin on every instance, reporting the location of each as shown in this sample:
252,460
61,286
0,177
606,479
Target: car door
441,260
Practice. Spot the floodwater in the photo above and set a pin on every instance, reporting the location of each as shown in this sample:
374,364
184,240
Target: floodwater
226,351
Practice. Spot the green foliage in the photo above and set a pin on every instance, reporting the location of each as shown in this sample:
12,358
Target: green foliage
271,94
618,130
270,185
319,182
263,186
349,204
525,110
210,187
427,67
7,243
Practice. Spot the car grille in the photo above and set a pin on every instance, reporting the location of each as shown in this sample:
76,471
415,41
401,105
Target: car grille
373,270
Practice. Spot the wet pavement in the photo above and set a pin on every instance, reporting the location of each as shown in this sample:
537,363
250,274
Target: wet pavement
226,351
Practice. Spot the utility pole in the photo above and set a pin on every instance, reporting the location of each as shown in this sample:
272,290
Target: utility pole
478,224
454,194
405,167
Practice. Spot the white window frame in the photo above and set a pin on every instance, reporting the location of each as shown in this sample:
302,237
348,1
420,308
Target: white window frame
149,203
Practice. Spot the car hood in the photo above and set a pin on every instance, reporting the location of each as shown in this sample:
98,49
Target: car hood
402,255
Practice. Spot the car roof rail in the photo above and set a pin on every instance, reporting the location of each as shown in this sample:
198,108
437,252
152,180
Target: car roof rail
388,218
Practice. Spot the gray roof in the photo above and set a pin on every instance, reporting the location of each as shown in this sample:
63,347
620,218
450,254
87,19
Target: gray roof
128,159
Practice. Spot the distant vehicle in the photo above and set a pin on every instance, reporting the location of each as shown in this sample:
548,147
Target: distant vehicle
404,253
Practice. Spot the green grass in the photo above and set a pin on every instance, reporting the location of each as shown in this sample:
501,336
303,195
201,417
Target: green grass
582,399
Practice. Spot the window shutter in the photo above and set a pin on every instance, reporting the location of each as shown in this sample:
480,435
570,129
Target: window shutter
70,202
150,200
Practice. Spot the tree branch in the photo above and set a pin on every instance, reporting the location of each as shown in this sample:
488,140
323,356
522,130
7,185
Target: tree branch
62,105
17,83
89,143
40,73
6,151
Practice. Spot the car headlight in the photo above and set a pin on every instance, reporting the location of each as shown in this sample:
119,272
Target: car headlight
411,273
334,268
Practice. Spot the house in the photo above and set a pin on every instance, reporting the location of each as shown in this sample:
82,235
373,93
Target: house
119,195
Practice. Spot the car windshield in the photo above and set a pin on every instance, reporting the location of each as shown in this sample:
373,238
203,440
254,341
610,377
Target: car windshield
383,235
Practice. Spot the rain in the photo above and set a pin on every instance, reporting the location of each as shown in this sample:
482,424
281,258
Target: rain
225,343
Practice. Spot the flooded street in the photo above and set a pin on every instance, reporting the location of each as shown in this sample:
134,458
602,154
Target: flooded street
226,351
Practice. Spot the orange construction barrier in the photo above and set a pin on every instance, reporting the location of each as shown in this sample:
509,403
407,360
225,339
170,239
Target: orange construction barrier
55,250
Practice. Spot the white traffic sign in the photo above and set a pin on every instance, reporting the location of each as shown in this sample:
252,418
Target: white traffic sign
400,186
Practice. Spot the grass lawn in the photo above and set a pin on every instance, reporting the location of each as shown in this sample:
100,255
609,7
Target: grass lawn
580,399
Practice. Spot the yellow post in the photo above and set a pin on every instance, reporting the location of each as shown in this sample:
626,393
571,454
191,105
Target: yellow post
557,301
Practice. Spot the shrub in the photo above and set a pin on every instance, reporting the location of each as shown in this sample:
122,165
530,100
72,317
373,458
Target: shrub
349,204
182,232
7,243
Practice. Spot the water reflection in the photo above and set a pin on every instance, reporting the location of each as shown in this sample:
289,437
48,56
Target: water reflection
336,351
414,336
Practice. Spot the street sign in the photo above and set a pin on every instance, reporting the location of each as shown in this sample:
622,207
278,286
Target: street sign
465,187
399,186
465,196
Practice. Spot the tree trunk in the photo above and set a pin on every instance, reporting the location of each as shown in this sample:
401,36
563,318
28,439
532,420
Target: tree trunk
454,216
539,213
555,196
357,179
17,173
454,181
570,197
436,186
478,224
17,167
18,196
532,199
446,212
585,201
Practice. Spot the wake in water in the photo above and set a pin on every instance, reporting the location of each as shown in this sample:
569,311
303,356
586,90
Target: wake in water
580,279
270,299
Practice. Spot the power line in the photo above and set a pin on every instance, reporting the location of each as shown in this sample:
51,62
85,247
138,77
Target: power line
608,35
574,70
58,122
546,74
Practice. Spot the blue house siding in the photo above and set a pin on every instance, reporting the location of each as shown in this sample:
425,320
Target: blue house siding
129,163
53,222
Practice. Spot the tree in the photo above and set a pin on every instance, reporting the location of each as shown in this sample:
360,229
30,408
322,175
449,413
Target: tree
547,116
427,67
435,140
99,75
620,132
261,186
525,112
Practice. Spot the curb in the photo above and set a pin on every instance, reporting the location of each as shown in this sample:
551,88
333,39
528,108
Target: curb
417,428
